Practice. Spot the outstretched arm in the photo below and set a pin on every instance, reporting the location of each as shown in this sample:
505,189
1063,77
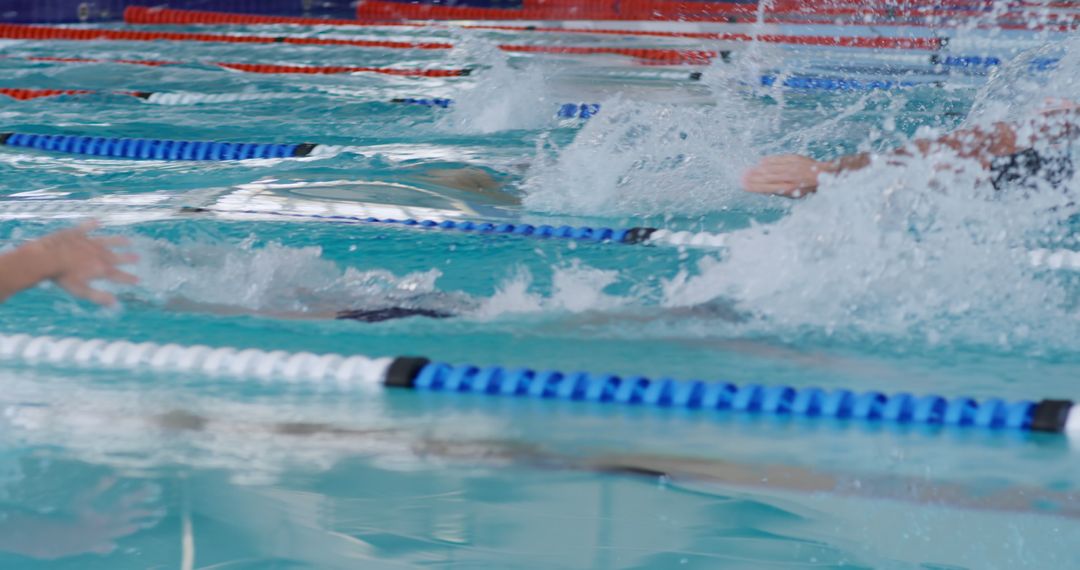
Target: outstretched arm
71,258
795,176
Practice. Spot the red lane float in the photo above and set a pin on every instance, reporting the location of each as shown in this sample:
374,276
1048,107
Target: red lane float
12,31
667,10
275,68
142,15
981,13
673,56
27,94
165,16
19,32
311,70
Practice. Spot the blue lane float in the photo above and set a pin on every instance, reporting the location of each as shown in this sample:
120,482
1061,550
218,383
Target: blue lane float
324,372
806,83
630,236
154,149
421,374
566,110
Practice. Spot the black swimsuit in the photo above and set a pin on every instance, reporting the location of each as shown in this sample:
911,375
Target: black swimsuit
389,313
1029,169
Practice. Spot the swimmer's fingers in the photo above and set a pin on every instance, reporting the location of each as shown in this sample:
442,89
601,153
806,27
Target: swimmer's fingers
787,175
120,276
1052,105
112,242
85,498
146,493
126,258
83,290
765,182
112,259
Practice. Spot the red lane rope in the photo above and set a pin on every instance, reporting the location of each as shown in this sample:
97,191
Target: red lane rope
674,56
14,31
27,94
1019,13
272,68
142,15
41,33
160,15
275,68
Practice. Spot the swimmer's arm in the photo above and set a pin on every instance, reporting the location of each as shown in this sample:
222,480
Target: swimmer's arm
22,268
795,176
72,258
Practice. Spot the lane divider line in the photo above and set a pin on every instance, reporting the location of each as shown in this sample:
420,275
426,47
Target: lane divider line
362,373
358,213
269,68
565,110
154,149
25,32
159,16
628,236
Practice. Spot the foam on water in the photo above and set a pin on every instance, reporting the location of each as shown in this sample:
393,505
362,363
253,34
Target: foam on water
898,251
502,97
575,288
639,157
276,279
921,249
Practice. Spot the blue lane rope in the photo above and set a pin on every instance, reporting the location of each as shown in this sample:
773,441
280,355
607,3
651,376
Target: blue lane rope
839,404
154,149
803,82
628,236
566,110
334,371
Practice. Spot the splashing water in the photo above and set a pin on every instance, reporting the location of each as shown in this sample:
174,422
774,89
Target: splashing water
576,288
639,157
277,279
902,251
642,158
502,98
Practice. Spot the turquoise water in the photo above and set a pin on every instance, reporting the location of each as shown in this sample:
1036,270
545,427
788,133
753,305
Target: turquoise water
886,282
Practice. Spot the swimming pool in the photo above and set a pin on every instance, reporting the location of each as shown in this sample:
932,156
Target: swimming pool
887,283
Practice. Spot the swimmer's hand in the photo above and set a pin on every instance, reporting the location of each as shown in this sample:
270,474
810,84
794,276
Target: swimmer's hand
72,259
789,175
87,528
1056,105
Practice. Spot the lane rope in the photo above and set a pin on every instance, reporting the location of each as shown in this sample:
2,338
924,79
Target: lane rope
654,55
357,213
26,32
350,373
268,68
154,149
565,110
159,16
361,213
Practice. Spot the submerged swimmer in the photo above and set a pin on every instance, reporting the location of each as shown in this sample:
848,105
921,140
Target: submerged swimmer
1026,154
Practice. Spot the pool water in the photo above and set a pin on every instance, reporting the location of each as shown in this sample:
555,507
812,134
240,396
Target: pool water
900,278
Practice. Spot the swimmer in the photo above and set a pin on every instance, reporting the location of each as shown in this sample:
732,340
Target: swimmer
403,309
1007,151
70,258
